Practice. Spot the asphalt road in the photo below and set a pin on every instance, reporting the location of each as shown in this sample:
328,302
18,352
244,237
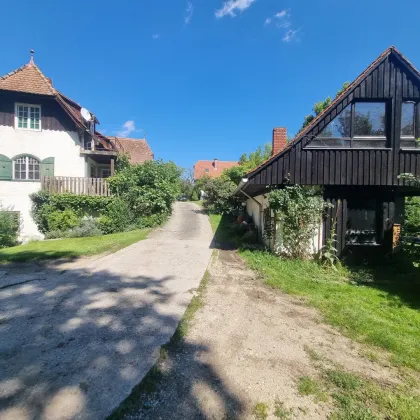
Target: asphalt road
74,342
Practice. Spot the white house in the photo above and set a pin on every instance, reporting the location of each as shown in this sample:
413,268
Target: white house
43,133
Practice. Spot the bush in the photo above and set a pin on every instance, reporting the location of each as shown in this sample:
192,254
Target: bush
219,197
105,225
88,227
194,196
44,203
9,227
116,217
152,221
62,220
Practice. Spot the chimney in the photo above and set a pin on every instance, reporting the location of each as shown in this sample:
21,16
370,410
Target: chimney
215,163
279,139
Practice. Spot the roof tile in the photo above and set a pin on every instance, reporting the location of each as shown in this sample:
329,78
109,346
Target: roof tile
208,168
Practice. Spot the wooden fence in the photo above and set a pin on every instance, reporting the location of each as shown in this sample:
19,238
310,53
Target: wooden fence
67,184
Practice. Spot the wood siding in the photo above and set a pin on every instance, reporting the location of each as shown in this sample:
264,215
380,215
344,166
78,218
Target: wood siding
53,116
74,185
390,81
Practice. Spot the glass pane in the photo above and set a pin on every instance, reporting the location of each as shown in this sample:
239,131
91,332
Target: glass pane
407,119
339,127
36,175
369,119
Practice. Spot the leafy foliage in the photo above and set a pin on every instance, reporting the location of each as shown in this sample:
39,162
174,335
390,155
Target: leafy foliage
300,212
9,227
321,106
327,255
149,188
44,203
219,197
62,220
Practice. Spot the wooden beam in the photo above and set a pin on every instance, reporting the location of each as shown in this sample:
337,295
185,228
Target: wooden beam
112,166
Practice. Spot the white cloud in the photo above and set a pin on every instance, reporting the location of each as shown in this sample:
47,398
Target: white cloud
290,35
230,7
281,19
156,36
188,13
127,128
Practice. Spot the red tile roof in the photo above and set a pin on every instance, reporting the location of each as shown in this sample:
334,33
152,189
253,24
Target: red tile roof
212,169
350,87
138,149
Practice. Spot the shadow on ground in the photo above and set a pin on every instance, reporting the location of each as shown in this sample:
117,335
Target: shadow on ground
74,343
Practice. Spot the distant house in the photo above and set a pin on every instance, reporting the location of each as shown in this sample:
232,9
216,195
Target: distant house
45,135
212,168
354,151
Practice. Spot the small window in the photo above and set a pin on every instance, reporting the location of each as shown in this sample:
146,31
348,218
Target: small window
369,119
26,168
407,119
28,117
339,127
206,170
106,173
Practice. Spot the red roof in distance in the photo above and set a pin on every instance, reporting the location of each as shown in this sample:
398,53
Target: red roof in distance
212,168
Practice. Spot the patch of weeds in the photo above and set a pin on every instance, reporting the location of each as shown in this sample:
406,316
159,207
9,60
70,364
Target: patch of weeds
343,380
260,411
372,356
308,386
281,412
351,409
313,355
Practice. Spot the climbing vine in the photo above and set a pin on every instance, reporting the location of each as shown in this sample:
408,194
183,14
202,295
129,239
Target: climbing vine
300,212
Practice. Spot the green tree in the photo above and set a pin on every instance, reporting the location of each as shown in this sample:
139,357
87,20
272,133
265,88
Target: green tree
321,106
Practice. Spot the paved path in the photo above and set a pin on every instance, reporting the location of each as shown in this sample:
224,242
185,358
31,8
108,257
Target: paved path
73,344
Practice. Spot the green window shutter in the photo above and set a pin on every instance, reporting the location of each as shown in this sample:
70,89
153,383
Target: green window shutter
47,167
6,167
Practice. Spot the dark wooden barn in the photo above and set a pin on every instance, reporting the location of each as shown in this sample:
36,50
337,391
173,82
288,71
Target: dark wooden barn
355,150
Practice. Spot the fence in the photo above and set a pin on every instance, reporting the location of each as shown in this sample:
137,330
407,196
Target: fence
66,184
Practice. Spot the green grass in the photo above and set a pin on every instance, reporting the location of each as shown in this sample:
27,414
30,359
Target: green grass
372,307
215,221
71,247
260,411
309,386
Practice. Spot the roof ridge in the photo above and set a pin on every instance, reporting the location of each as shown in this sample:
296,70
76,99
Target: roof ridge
46,79
346,91
14,71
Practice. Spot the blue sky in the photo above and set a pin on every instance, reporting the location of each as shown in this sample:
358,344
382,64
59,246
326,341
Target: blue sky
204,78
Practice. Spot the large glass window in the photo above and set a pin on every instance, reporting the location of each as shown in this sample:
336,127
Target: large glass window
339,127
362,225
26,168
28,117
407,119
369,119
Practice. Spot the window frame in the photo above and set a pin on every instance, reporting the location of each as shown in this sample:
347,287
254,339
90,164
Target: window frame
27,157
353,142
17,105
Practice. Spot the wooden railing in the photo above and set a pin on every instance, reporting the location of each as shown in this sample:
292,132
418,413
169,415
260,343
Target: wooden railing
67,184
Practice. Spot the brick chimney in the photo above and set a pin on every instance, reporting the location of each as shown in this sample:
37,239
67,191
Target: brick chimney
215,163
279,139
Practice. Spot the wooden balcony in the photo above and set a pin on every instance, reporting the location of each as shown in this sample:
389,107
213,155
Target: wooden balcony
79,186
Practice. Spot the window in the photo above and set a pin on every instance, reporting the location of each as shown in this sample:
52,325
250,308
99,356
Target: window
339,127
359,125
407,119
369,119
106,173
28,117
362,224
206,170
26,168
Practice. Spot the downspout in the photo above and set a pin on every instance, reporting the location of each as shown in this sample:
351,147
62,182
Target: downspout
243,182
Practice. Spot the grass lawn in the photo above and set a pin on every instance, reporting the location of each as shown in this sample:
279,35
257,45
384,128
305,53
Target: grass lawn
71,247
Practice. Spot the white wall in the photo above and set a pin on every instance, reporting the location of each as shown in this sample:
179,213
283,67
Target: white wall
63,146
16,195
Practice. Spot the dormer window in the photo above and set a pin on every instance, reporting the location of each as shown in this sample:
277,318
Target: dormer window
28,117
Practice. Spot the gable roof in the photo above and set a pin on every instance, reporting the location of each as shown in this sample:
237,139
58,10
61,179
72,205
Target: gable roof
30,79
27,79
138,149
302,135
208,168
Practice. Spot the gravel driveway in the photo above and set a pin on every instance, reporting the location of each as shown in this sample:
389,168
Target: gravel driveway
75,339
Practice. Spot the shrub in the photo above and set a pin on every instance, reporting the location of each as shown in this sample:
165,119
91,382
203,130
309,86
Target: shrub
88,227
219,197
152,221
105,225
117,216
300,212
62,220
194,196
9,227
